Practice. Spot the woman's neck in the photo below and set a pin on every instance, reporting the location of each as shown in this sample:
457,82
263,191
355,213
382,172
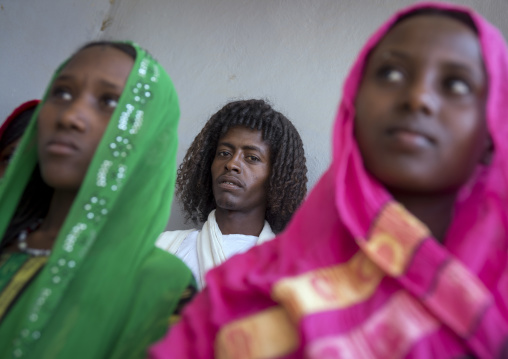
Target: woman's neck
59,207
435,211
236,222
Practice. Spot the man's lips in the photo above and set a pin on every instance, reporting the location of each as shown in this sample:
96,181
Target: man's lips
229,182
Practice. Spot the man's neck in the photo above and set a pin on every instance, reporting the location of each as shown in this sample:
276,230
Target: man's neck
236,222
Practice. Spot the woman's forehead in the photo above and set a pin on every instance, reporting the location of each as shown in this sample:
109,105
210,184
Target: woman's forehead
424,36
104,56
102,63
439,28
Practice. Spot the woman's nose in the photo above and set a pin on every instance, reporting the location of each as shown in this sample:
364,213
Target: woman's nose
75,114
421,96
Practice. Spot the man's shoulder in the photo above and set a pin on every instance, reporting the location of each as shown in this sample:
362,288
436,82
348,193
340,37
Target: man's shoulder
170,241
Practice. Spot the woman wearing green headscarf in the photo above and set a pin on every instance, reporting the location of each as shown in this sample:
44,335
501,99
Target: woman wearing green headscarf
82,204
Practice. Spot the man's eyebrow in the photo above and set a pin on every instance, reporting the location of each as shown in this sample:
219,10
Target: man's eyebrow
227,144
246,147
252,148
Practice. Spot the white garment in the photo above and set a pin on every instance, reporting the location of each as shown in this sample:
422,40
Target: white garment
205,249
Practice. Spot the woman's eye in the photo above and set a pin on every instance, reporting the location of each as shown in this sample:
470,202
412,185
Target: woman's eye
458,87
62,93
393,75
222,153
390,74
253,158
110,101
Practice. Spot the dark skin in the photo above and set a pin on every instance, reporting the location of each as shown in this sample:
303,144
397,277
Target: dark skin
240,173
70,126
420,122
6,155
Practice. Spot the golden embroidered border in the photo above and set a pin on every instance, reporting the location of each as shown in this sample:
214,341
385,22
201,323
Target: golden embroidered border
19,281
266,334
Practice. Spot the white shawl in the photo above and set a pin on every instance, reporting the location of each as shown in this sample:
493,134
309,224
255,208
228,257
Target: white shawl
209,244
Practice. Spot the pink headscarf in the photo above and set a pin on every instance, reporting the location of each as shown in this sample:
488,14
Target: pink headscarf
355,275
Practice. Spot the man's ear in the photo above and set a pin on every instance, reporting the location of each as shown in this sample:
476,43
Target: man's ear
488,152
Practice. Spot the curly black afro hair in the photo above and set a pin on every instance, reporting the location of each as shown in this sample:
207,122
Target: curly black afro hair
288,179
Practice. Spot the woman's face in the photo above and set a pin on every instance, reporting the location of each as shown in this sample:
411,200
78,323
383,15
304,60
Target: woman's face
420,108
77,111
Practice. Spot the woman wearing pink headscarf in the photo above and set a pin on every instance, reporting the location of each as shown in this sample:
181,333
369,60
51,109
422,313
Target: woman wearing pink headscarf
401,249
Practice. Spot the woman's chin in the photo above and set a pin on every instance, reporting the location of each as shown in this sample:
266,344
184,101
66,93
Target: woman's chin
63,182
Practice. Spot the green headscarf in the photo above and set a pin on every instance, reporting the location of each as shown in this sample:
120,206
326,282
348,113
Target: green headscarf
105,291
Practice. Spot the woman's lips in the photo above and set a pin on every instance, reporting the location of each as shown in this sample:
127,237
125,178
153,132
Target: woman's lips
411,137
407,139
61,147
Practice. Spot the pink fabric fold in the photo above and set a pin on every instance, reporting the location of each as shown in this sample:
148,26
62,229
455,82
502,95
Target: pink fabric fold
330,283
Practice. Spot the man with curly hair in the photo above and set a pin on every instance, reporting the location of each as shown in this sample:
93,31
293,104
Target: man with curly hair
244,176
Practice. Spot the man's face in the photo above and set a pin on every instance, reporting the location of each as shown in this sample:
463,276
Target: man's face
241,170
